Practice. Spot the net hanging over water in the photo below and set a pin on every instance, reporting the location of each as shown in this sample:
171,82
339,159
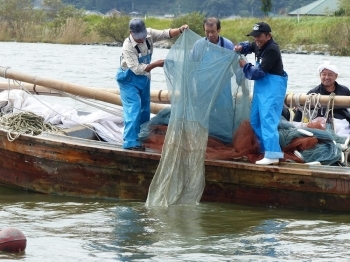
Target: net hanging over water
210,97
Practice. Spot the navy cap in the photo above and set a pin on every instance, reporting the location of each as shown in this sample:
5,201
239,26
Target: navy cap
137,28
260,28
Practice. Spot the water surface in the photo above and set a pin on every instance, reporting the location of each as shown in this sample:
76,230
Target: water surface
75,229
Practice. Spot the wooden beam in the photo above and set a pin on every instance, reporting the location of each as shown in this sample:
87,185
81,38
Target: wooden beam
61,86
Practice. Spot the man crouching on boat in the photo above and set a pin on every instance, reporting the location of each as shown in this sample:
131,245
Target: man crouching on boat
328,76
270,87
133,77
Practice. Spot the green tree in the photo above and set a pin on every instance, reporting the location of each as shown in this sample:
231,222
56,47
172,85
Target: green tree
58,12
114,27
185,6
52,7
344,8
266,6
193,20
17,15
15,12
219,8
210,7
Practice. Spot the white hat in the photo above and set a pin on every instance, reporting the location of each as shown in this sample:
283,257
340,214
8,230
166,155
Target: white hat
327,65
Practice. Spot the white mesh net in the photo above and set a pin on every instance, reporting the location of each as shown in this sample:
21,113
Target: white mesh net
210,96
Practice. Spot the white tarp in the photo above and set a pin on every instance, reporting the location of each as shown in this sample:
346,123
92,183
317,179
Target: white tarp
108,126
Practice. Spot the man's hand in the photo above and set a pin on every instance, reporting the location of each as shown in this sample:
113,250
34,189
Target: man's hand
242,62
158,63
237,48
183,27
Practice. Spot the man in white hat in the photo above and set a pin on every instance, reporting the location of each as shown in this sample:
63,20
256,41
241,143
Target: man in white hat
328,76
134,75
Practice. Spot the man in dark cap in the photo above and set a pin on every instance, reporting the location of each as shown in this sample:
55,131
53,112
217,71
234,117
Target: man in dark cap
134,76
270,85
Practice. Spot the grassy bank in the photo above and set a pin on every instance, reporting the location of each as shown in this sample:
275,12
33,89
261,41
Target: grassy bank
331,33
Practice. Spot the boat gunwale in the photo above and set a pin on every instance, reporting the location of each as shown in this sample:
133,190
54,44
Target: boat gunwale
321,171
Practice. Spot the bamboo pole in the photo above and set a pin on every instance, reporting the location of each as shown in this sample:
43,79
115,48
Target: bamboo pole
88,92
33,89
157,96
44,86
339,101
290,99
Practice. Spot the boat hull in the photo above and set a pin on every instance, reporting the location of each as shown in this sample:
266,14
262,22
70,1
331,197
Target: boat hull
62,165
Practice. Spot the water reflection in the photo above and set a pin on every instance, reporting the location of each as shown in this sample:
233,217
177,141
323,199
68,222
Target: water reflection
73,229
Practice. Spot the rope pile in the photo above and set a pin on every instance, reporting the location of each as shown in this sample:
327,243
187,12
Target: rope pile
25,123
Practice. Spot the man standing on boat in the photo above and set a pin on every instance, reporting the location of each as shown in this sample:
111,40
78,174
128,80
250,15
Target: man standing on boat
212,28
221,115
270,85
134,76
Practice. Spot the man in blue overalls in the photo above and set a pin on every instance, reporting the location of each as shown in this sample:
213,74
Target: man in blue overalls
270,87
134,77
221,115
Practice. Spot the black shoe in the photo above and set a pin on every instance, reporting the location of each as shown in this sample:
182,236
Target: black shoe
136,148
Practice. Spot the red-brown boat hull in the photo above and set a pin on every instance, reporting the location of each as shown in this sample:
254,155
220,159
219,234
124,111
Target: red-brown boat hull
62,165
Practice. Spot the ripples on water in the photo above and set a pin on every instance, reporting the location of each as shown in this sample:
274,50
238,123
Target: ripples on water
96,66
74,229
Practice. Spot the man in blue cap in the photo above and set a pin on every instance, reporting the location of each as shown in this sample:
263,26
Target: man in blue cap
134,76
270,85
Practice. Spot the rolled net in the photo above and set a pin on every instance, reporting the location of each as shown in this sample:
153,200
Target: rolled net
210,97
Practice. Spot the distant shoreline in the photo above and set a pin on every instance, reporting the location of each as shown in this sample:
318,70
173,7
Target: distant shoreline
291,49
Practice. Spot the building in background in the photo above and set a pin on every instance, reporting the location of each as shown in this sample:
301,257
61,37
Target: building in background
317,8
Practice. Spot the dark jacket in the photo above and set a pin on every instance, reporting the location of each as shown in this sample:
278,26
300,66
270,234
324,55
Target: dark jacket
339,113
269,57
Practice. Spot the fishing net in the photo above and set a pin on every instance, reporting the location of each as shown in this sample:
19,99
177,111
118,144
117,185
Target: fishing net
209,119
210,96
319,145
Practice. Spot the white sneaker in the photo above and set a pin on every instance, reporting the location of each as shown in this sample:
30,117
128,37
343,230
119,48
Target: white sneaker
298,154
314,163
304,132
346,144
342,157
268,161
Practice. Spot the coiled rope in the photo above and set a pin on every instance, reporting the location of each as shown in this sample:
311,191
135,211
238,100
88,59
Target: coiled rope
25,123
96,104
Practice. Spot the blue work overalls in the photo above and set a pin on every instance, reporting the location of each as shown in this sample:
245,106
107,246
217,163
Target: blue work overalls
268,99
135,96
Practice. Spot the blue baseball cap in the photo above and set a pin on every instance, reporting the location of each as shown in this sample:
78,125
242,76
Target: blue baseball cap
138,28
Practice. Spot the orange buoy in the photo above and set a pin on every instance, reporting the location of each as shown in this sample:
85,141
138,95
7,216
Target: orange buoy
12,240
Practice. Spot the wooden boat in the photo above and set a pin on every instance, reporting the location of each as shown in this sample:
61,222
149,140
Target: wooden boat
74,166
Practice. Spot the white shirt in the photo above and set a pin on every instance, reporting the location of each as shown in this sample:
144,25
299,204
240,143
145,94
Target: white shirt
130,55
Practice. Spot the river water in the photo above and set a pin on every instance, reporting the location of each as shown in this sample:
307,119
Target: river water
73,229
